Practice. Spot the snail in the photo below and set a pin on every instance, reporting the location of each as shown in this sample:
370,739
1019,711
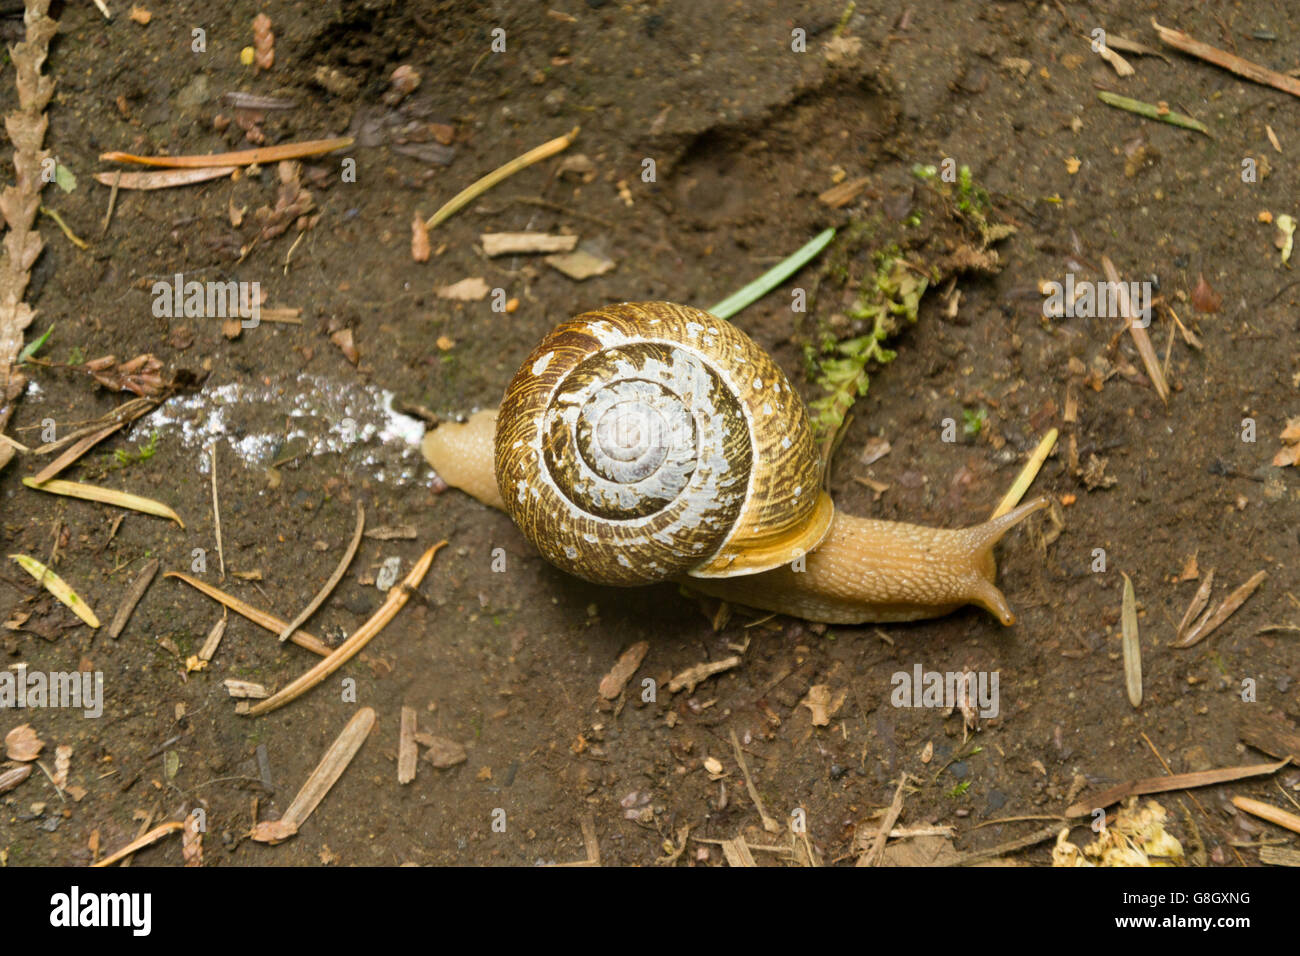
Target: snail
645,442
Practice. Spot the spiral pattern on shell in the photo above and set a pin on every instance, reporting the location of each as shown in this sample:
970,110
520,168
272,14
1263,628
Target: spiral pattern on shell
644,441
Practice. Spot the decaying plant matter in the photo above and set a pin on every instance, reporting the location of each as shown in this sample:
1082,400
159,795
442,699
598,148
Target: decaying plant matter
19,203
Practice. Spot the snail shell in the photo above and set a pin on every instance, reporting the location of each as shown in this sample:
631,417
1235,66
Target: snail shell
644,441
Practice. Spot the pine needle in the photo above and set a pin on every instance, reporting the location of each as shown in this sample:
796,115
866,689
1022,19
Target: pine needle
243,157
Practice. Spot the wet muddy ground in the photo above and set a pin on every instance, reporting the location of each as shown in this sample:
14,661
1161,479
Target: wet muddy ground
745,135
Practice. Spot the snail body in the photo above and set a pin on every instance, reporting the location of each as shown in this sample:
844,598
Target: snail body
646,442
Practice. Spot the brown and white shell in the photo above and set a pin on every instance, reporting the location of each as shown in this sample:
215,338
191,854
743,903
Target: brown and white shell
644,441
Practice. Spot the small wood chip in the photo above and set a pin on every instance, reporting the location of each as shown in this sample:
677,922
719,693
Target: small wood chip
407,752
844,193
819,701
245,689
1279,856
612,684
420,247
692,676
401,532
213,641
507,243
1274,735
466,290
580,264
132,597
324,777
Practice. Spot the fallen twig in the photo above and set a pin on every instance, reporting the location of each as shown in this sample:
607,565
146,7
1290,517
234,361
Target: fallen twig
153,836
477,188
689,678
262,618
1178,781
508,243
398,595
333,581
770,825
1228,61
876,852
1027,475
73,453
132,597
1011,846
1139,333
216,513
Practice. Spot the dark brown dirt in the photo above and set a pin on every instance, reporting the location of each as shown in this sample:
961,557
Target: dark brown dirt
745,134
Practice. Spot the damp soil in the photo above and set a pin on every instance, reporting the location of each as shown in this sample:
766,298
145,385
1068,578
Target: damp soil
745,135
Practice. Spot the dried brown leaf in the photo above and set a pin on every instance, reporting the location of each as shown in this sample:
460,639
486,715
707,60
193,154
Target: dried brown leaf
1204,298
22,744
